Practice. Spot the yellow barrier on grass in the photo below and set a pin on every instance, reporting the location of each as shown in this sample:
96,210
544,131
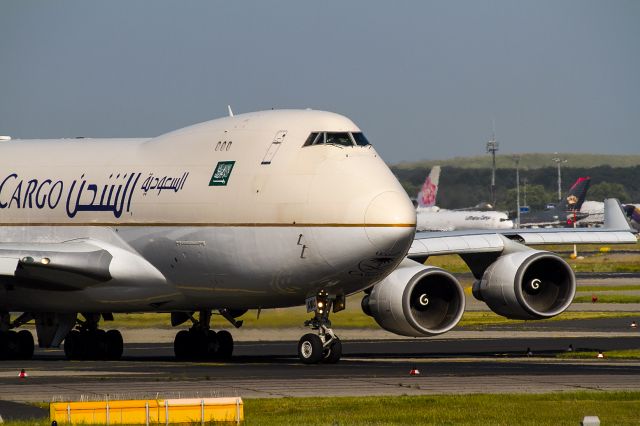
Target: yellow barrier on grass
150,411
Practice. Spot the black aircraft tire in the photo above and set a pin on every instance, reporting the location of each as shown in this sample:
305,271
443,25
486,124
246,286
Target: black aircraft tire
73,347
9,345
310,349
13,345
25,344
115,345
200,344
225,341
333,354
182,345
212,345
98,339
4,345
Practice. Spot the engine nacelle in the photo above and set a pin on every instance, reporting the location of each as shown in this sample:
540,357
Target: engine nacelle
416,300
529,284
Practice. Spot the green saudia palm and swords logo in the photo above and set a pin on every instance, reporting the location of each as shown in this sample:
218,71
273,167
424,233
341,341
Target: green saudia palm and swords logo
221,173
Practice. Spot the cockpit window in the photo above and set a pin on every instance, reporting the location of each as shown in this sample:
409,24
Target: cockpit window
360,139
339,139
311,139
336,138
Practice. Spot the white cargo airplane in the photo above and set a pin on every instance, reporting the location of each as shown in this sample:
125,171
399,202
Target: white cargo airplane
256,211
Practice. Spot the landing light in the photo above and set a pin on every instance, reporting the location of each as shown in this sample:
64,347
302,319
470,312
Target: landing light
45,261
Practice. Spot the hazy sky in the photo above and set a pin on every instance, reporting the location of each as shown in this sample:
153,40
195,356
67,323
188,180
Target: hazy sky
423,79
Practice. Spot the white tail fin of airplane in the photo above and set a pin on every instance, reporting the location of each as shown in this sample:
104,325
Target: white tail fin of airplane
614,217
427,195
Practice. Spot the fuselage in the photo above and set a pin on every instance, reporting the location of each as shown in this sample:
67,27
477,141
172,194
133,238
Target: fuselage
429,219
594,211
233,213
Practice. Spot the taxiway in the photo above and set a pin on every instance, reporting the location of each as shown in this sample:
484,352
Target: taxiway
271,369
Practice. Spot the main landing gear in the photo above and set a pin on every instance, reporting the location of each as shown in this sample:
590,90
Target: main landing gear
14,345
89,342
202,343
325,346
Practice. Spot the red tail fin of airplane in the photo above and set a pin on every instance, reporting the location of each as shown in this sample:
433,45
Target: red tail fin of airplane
577,194
427,195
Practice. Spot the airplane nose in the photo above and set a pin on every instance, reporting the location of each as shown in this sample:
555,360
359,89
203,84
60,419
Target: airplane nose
390,221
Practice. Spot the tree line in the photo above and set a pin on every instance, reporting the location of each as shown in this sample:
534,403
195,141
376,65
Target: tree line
464,187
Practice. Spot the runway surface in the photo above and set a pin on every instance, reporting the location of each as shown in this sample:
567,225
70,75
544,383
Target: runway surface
479,359
271,369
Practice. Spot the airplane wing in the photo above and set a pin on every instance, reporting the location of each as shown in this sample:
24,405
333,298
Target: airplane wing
72,265
55,266
616,230
513,280
68,270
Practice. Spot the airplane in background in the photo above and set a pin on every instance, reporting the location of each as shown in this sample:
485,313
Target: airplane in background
253,211
430,217
633,212
426,198
585,212
560,216
594,212
633,215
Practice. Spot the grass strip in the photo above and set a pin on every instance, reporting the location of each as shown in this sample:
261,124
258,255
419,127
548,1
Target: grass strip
601,262
352,318
608,298
618,354
558,408
470,319
608,287
619,408
612,248
605,266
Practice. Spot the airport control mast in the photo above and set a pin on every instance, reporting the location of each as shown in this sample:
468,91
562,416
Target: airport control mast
492,148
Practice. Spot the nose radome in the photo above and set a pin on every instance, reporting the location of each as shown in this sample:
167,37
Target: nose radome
390,221
390,208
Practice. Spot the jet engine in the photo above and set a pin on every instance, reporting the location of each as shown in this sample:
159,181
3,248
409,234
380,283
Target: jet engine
526,285
416,300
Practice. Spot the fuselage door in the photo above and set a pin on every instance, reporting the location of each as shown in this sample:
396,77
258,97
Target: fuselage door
273,148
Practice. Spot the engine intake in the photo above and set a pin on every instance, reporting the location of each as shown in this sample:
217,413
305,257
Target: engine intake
416,300
525,285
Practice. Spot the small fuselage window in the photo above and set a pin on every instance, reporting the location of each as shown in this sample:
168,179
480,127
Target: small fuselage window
336,138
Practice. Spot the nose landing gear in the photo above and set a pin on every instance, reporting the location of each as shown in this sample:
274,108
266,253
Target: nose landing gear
325,346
